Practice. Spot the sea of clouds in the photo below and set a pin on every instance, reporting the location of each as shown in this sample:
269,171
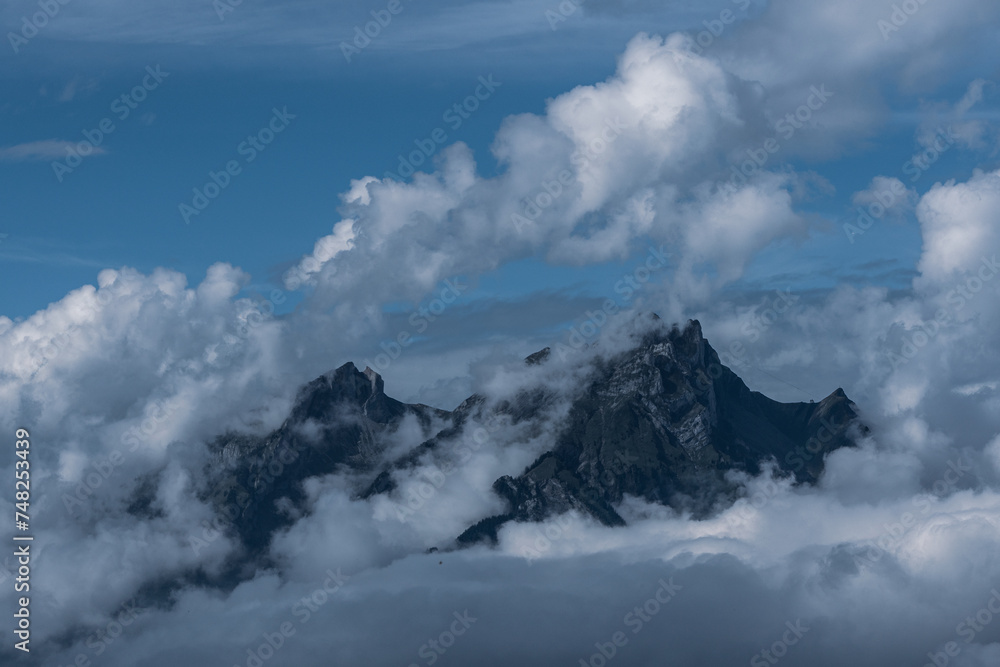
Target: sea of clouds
892,559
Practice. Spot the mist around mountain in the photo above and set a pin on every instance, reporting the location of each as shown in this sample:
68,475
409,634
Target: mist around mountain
536,474
661,421
573,486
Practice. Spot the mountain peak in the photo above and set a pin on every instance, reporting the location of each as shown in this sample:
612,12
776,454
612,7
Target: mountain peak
378,386
663,420
538,357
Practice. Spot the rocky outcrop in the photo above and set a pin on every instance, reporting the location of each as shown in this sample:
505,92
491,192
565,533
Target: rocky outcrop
340,420
665,422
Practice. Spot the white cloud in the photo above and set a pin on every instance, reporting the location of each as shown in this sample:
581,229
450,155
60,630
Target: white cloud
49,149
889,195
960,226
606,165
146,360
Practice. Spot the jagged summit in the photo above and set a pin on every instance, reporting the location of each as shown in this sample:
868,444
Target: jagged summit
338,421
663,420
538,357
323,398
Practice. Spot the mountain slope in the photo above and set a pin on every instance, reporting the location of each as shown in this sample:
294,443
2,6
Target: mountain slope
665,422
339,421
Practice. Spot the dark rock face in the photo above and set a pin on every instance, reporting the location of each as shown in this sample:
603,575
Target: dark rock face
340,419
665,422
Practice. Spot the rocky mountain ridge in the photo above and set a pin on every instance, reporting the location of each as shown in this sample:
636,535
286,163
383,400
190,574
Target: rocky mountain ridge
664,421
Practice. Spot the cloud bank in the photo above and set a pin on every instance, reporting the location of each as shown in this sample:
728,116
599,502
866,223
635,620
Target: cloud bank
888,560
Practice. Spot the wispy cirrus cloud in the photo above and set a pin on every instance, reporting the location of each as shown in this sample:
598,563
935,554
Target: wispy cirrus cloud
77,86
36,151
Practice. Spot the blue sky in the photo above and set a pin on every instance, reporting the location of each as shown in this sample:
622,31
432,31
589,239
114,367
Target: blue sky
592,181
351,120
225,77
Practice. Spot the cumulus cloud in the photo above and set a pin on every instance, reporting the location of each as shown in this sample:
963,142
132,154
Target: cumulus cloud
124,384
959,225
889,195
962,125
630,158
850,49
